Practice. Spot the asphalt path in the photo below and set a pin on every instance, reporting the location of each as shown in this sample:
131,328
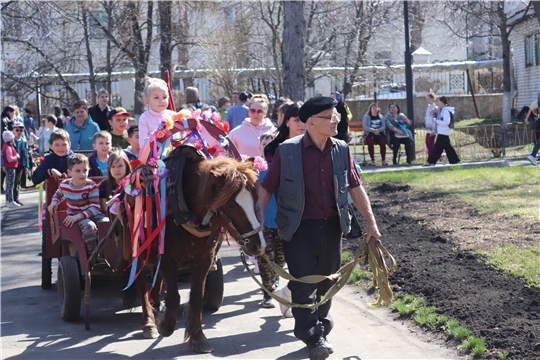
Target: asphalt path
31,326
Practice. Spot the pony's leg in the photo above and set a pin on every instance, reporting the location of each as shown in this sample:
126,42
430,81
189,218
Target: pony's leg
148,320
156,292
194,334
167,322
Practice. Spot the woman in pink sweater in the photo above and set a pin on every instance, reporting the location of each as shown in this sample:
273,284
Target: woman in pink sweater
246,136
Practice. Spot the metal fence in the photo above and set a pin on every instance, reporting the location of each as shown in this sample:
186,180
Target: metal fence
478,142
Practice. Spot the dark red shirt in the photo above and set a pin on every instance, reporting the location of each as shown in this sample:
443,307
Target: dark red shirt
320,200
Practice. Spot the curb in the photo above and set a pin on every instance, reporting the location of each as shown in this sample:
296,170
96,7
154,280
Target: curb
478,164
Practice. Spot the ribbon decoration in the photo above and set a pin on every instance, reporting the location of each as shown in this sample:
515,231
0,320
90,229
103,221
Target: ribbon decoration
40,208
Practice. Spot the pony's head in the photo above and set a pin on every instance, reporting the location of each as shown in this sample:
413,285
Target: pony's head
229,188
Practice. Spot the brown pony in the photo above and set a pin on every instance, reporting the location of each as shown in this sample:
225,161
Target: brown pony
222,190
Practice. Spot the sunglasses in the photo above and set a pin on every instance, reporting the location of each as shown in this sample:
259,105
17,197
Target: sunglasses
255,111
18,130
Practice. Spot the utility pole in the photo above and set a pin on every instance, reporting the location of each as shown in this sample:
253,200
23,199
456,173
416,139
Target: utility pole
408,69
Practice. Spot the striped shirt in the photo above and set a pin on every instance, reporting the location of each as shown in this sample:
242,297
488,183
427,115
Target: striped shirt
79,200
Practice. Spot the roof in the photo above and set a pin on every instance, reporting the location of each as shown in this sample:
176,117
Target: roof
421,51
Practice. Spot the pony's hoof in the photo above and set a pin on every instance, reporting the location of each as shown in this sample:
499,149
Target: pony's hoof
164,332
150,332
203,348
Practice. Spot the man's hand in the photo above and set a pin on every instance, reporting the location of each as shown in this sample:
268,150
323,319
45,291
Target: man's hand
72,219
362,203
56,174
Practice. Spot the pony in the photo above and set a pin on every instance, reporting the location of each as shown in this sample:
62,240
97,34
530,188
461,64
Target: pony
222,191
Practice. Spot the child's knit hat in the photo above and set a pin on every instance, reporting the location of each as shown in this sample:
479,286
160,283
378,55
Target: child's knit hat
8,136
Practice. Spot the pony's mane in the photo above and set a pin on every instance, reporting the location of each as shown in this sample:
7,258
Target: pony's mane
223,177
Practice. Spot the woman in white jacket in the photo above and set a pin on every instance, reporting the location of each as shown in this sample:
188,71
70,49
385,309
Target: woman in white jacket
443,134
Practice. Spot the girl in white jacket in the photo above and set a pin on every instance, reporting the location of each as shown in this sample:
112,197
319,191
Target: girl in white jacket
443,134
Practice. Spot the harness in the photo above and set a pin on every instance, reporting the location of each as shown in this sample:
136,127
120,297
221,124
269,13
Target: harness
242,239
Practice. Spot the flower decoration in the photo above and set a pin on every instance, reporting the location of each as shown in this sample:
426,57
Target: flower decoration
162,172
212,150
216,117
160,134
207,115
133,164
169,123
152,162
260,163
223,142
184,113
198,144
135,192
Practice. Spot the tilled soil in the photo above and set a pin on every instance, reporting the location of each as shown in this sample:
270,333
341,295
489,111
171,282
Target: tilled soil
432,238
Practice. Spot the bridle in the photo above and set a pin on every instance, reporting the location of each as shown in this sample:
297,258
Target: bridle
241,239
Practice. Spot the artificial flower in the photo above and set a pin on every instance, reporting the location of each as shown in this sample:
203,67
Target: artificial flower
216,117
185,113
206,115
169,123
136,192
160,163
160,133
162,172
134,163
152,162
260,163
212,150
198,144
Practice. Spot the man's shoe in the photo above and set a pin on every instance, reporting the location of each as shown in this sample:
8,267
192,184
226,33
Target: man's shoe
18,202
317,350
328,345
532,159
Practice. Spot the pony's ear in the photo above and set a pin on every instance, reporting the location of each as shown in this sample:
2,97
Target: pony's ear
250,159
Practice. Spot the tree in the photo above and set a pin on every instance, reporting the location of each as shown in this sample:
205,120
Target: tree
32,33
479,16
294,77
132,22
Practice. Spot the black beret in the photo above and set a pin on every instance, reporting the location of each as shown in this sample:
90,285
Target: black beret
314,106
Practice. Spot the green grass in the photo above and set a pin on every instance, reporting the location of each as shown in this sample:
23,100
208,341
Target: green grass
345,256
477,345
508,191
502,355
519,262
360,276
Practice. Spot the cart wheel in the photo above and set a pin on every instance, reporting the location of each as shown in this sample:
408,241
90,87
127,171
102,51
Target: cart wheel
69,289
213,290
46,263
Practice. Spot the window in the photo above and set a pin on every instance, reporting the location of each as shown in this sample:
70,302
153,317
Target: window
537,49
530,53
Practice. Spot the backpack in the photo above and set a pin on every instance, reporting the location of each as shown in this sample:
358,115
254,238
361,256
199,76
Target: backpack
452,122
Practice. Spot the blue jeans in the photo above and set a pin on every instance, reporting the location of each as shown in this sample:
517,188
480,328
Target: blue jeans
536,149
10,183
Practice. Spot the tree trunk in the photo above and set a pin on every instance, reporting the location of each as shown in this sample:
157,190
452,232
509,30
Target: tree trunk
507,85
89,58
165,49
294,76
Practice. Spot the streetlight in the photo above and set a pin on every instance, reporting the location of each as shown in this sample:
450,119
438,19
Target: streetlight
36,75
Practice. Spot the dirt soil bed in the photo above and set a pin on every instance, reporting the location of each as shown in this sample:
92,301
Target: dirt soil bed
432,238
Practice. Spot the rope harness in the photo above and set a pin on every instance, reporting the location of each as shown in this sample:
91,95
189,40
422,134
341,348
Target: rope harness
372,253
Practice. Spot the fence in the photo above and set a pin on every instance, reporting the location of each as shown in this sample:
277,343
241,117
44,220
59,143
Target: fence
478,142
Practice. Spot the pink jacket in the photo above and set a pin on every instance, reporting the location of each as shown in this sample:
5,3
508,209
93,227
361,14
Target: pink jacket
246,136
149,121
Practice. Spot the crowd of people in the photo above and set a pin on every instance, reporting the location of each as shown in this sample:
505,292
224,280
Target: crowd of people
303,216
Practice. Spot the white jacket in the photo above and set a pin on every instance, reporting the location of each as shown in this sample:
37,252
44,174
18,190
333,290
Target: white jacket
443,121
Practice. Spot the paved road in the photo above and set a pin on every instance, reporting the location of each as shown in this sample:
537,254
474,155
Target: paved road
31,326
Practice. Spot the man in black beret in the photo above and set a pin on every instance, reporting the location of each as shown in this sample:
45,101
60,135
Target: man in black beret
314,174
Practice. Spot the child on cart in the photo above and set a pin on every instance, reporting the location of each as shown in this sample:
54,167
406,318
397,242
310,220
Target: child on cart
55,164
82,199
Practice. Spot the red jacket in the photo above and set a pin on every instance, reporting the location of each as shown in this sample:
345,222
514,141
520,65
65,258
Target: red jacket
10,156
